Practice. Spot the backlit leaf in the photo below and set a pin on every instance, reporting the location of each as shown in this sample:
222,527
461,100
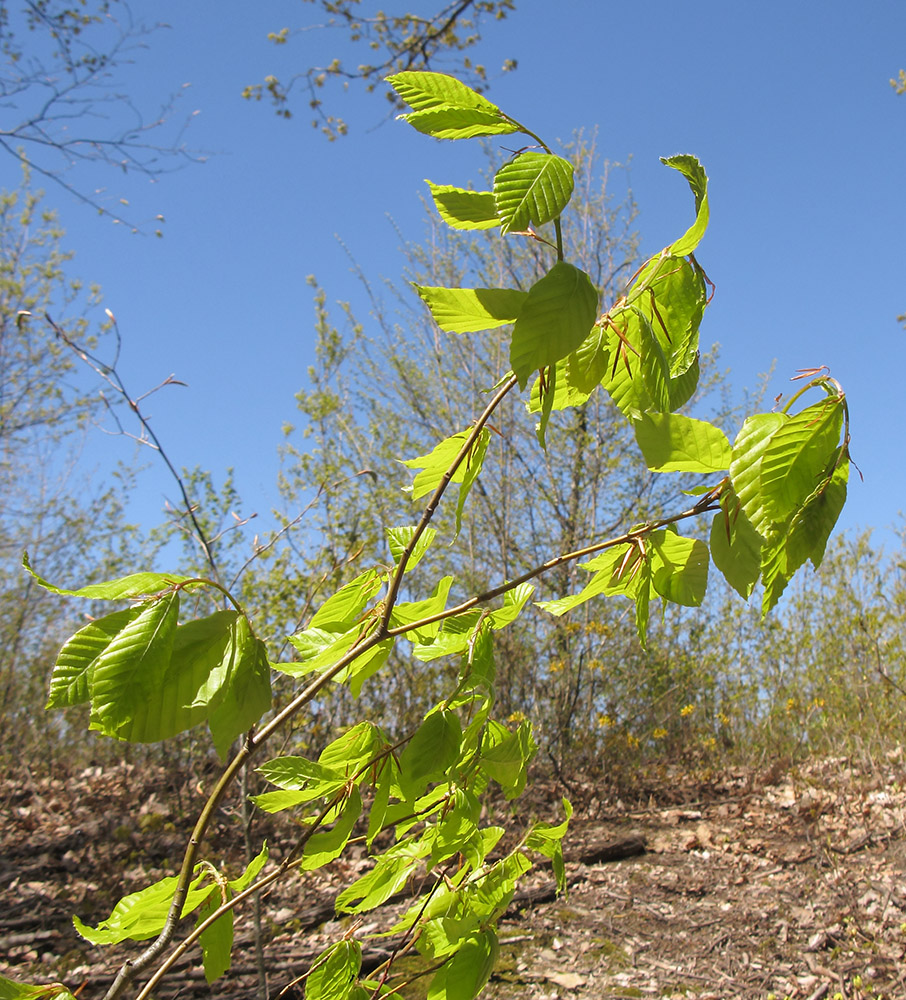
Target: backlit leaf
462,209
672,442
532,188
695,174
555,319
469,310
132,586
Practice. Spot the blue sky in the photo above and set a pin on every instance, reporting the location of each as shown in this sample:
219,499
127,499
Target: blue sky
787,105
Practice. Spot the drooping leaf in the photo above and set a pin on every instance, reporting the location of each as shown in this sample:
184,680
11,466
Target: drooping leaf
813,523
217,940
532,188
736,545
459,123
672,442
69,683
505,756
695,174
431,751
323,847
547,838
679,568
798,456
446,108
745,466
11,990
463,209
470,310
132,666
389,874
555,319
334,971
465,975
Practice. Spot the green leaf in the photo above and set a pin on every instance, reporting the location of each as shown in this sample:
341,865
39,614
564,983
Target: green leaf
459,123
423,91
69,683
408,612
798,456
11,990
695,174
217,940
132,666
430,753
642,601
390,873
322,848
465,975
340,611
813,523
132,586
736,546
532,188
399,538
334,972
749,447
559,394
354,749
555,319
438,462
251,871
679,568
505,756
470,310
607,579
547,839
672,442
298,774
462,209
247,688
142,915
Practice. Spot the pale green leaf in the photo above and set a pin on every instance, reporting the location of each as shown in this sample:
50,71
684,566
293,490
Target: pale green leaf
745,466
459,123
334,971
323,847
462,209
465,975
532,188
342,609
132,666
11,990
69,683
469,310
132,586
432,750
672,442
736,546
695,174
679,568
555,319
798,457
398,540
423,90
217,940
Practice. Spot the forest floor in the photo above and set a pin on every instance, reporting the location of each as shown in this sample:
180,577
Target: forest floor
784,881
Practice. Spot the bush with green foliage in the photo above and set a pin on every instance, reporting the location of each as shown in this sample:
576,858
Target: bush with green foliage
184,653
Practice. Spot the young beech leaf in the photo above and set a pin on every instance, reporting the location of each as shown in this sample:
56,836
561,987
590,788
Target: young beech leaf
736,546
398,540
132,586
323,847
142,914
334,971
69,683
11,990
465,975
672,442
129,670
430,753
694,173
798,456
462,209
745,465
424,91
555,319
469,310
217,940
679,568
340,611
532,188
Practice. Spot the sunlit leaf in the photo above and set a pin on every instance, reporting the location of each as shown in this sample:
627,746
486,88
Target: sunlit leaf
532,188
462,209
469,310
431,751
695,174
334,971
464,976
398,540
217,940
132,586
555,319
736,546
672,442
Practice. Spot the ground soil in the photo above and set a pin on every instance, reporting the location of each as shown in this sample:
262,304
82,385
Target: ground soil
785,880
